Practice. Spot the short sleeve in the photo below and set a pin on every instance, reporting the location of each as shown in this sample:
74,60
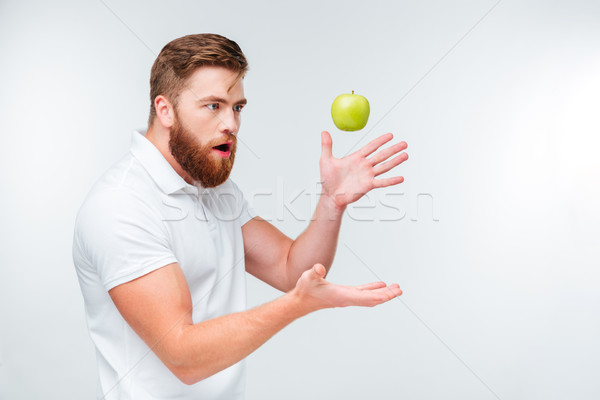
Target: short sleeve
121,236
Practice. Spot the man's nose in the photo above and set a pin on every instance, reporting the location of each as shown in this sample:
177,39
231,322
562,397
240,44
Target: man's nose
228,122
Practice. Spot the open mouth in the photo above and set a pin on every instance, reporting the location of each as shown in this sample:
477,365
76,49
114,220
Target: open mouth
224,148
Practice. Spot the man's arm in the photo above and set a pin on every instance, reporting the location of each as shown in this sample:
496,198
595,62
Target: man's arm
278,260
158,307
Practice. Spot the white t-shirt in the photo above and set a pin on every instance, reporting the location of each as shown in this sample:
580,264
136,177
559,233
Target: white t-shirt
140,216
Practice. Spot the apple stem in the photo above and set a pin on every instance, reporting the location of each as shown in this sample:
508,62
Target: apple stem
353,92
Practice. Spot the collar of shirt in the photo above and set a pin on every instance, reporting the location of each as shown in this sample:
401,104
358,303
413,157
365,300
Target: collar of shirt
167,179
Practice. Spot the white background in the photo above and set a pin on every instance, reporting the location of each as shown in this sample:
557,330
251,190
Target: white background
498,257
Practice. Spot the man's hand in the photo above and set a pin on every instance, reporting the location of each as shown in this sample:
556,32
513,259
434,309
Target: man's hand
277,259
315,293
345,180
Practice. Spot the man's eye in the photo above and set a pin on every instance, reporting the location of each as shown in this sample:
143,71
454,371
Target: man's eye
210,106
238,107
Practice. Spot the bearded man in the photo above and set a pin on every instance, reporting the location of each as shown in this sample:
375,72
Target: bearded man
164,239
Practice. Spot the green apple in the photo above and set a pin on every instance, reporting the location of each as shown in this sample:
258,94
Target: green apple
350,112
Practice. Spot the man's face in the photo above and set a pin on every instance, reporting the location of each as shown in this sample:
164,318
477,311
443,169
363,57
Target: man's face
206,121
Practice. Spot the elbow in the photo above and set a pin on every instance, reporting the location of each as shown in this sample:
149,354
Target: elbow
179,362
180,370
189,376
190,371
190,363
183,377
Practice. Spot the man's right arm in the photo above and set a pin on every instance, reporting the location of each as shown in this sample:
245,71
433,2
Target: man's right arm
158,307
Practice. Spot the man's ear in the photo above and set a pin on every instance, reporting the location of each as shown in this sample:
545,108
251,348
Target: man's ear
164,111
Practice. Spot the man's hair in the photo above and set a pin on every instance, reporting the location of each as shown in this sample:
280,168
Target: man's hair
181,57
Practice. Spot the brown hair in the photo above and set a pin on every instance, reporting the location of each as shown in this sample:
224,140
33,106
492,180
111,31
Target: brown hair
181,57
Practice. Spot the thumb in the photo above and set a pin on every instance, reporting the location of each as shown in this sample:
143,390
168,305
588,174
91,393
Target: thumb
320,270
326,145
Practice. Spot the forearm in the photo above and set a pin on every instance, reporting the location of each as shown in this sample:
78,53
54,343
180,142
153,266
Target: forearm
211,346
318,243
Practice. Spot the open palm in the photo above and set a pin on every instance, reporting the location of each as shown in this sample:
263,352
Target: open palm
317,293
347,179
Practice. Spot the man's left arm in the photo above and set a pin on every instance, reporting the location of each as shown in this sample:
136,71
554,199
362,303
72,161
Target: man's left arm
278,260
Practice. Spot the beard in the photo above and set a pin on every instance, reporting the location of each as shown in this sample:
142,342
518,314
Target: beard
197,159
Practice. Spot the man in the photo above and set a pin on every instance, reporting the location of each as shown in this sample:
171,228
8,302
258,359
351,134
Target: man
164,239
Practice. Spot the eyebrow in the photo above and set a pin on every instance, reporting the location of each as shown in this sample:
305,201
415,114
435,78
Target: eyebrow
221,100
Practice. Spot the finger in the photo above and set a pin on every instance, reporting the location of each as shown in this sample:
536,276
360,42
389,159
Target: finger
389,292
375,144
387,153
385,294
385,182
371,286
386,166
370,298
326,145
319,270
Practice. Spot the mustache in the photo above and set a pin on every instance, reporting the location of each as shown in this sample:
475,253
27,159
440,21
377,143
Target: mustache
229,137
